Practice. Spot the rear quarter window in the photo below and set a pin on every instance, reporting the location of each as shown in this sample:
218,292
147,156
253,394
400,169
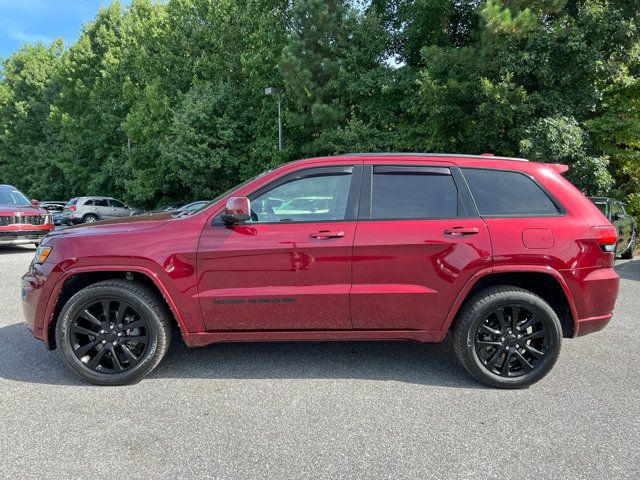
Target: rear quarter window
504,193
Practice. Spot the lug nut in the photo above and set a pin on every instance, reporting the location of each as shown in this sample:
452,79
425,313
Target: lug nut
114,343
104,341
101,331
119,334
502,339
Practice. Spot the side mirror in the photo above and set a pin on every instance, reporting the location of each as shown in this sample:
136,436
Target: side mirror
238,209
618,216
35,202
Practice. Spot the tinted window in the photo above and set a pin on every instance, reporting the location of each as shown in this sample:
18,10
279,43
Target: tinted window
100,202
616,210
405,195
117,204
88,202
602,206
507,193
315,198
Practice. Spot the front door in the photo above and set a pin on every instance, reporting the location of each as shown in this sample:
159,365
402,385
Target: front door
119,209
289,267
418,242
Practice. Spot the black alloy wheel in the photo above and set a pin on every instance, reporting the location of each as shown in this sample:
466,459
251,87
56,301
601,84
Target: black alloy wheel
109,336
511,341
507,337
113,332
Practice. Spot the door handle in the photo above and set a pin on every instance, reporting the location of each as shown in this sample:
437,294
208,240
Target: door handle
461,231
326,234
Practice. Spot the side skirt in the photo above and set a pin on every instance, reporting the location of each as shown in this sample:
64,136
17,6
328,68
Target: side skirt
207,338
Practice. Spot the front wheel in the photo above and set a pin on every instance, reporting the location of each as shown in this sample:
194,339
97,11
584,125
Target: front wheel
113,332
507,337
628,254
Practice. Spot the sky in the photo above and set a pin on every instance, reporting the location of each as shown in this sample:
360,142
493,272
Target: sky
43,21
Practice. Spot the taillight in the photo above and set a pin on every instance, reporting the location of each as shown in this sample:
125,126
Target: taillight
71,208
606,236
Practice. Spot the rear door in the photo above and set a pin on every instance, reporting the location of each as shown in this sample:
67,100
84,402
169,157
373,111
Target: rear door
418,241
102,208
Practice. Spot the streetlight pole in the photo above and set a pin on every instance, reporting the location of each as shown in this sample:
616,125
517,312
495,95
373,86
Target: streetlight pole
276,92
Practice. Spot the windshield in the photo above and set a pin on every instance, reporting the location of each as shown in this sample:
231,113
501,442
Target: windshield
12,197
191,211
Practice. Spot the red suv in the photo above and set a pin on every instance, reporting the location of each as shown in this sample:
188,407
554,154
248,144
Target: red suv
505,254
21,222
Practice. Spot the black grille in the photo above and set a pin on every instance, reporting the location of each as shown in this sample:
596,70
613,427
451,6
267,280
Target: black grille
22,235
22,220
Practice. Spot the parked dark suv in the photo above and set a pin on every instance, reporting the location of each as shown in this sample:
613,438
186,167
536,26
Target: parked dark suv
505,254
627,227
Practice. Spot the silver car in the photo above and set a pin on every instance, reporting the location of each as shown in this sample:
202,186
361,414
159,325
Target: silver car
92,209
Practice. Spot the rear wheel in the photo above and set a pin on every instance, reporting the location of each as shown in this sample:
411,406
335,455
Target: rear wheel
507,337
90,218
628,254
113,332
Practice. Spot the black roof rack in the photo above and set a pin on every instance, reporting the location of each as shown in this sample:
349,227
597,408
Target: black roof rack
417,154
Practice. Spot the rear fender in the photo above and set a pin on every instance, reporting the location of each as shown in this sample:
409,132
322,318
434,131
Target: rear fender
462,296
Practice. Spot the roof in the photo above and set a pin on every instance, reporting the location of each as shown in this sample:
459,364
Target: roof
417,154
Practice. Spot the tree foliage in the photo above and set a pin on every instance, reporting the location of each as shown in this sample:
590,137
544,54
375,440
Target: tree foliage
163,101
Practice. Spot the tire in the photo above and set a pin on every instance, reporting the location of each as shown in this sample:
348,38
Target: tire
486,338
628,253
90,218
143,335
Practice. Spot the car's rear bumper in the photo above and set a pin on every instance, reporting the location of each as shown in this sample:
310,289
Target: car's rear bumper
585,326
594,291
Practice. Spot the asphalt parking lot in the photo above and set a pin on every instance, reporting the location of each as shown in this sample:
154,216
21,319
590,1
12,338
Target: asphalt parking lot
320,410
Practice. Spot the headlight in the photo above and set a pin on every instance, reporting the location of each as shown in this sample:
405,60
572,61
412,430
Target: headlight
41,254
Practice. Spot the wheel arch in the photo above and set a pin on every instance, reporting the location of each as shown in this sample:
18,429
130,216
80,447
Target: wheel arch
74,281
544,282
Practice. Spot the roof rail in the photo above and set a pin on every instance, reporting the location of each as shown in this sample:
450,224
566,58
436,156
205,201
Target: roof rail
417,154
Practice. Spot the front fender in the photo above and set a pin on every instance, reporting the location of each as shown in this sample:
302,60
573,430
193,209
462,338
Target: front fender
67,274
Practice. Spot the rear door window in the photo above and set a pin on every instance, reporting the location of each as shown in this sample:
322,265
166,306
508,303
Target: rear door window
503,193
399,192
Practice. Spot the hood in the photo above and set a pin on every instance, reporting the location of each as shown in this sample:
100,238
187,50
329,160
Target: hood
21,209
117,225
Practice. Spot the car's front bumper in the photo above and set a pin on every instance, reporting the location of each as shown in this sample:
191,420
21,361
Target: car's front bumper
21,236
34,293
